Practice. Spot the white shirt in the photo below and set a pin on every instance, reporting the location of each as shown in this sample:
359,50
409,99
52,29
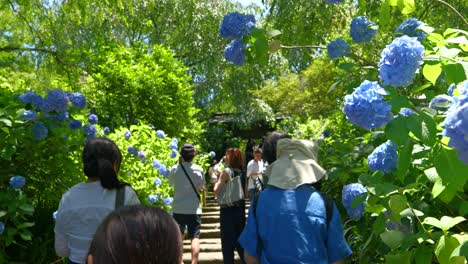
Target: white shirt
185,198
82,209
254,167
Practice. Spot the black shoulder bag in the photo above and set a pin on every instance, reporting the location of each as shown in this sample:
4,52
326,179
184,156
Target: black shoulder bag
191,183
120,197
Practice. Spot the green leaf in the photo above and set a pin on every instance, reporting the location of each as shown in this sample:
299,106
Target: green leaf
449,222
461,250
411,213
463,210
423,255
379,224
399,258
275,45
432,71
396,130
359,200
436,38
404,160
392,2
449,53
384,13
454,73
423,127
406,6
25,225
3,213
6,122
392,238
457,40
444,248
27,208
26,236
425,28
432,174
433,222
362,6
397,203
438,188
450,168
273,33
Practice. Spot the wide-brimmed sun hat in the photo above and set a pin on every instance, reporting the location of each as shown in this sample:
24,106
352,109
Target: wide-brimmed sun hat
296,164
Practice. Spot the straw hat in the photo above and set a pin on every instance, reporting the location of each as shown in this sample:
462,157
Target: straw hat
296,164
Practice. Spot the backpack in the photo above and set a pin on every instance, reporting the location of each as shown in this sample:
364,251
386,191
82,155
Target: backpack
260,186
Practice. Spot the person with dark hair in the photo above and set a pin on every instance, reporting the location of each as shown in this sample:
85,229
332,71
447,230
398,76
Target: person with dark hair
232,218
84,206
291,209
135,235
254,169
187,179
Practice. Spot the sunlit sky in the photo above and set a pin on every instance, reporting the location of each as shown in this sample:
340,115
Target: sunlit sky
248,2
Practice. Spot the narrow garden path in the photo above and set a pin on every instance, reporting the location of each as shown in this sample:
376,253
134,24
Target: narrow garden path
210,242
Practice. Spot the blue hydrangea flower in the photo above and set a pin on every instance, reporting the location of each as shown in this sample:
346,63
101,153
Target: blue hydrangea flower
127,134
456,125
78,100
338,48
56,100
54,215
362,29
75,124
2,227
326,133
141,154
334,1
17,182
31,97
153,198
175,140
441,102
29,115
168,200
162,170
384,158
349,193
89,129
160,134
234,52
213,154
409,28
366,107
156,164
93,119
173,145
39,131
399,61
60,116
236,25
132,150
157,182
406,112
106,130
450,89
173,154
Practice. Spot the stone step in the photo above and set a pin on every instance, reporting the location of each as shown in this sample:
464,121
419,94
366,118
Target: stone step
209,258
209,219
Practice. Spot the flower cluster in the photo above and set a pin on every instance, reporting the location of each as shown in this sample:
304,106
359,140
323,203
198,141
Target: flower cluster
141,155
161,168
235,26
2,227
132,150
127,134
406,112
441,102
338,48
153,198
54,107
160,134
90,131
106,130
54,215
92,119
234,52
157,182
456,123
334,1
173,154
17,182
213,154
349,193
366,107
326,133
362,29
399,61
384,158
409,28
168,201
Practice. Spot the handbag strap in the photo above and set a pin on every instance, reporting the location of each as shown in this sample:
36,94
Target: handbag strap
119,197
191,183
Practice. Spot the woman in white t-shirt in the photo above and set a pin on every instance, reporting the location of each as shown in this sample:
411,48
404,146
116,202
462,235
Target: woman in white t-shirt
84,206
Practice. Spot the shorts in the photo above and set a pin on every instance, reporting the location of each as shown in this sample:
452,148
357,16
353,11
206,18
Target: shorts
192,221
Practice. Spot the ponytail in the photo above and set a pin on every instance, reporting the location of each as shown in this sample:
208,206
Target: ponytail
107,175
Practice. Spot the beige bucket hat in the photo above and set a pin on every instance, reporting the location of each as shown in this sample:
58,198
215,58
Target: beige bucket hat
296,164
